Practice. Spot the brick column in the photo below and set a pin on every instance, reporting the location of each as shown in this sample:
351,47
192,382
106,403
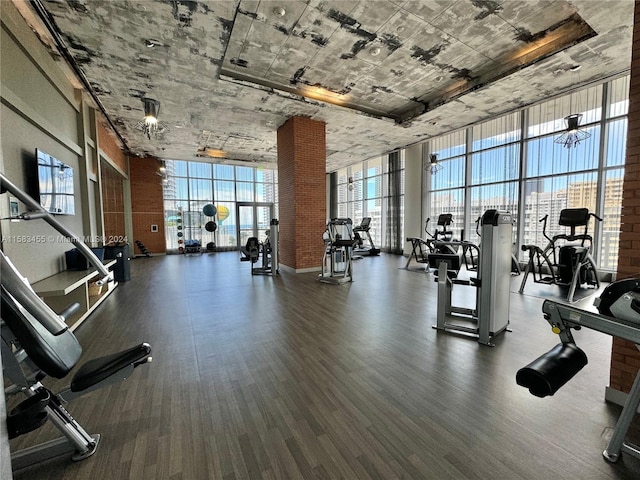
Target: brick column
625,358
147,204
302,193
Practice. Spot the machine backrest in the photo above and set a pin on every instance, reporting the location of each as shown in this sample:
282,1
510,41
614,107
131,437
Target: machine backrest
55,355
574,217
252,248
445,219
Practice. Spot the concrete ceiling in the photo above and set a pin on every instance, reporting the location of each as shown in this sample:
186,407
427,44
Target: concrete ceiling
381,74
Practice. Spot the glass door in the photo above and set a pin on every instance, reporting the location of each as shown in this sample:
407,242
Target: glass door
253,221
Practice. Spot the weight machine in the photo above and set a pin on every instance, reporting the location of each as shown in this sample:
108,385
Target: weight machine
619,307
338,250
364,227
491,316
268,250
36,343
471,260
569,265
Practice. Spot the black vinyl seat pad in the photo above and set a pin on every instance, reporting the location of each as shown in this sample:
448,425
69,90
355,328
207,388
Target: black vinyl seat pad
96,370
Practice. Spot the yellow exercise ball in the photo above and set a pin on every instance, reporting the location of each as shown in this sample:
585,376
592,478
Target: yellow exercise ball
223,212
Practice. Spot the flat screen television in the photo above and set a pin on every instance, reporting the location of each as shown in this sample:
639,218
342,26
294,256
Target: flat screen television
55,185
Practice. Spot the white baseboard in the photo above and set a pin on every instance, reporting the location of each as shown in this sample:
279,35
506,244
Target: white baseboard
287,268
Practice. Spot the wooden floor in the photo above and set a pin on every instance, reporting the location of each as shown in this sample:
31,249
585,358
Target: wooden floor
272,378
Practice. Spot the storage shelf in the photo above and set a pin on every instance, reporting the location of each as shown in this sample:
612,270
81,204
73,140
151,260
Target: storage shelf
68,287
66,281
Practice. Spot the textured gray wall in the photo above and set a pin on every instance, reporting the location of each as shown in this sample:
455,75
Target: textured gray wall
39,110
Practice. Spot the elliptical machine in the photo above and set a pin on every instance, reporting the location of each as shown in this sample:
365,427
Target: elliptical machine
570,264
337,265
442,241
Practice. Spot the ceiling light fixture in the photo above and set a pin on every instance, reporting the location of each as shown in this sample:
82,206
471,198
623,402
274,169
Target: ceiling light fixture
150,124
434,166
279,11
573,135
62,171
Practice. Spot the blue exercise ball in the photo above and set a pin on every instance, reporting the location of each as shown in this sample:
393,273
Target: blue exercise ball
209,210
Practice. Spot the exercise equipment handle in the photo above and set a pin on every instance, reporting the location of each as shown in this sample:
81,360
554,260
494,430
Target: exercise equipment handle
544,227
426,227
70,310
595,216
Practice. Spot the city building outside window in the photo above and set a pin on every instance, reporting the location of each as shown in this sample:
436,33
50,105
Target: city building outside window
189,186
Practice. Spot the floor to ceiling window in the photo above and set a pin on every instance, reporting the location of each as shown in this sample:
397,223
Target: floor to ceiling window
363,192
447,186
515,163
189,186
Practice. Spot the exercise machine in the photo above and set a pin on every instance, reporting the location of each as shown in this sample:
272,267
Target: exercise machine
267,250
491,315
36,342
471,260
441,241
364,228
566,260
619,316
337,266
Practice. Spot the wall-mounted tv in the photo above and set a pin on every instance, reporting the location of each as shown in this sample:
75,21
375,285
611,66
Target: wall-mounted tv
55,184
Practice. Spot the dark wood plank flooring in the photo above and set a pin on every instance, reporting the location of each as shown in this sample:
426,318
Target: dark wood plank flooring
274,378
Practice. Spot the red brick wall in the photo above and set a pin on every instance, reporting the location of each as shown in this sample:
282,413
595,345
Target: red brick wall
108,144
146,204
625,358
302,192
112,201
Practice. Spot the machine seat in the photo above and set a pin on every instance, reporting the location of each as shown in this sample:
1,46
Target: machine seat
96,370
577,249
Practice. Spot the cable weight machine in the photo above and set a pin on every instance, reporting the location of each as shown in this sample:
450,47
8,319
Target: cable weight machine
491,315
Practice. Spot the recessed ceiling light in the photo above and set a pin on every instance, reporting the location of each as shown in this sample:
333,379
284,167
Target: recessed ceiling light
400,29
279,11
575,68
375,51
